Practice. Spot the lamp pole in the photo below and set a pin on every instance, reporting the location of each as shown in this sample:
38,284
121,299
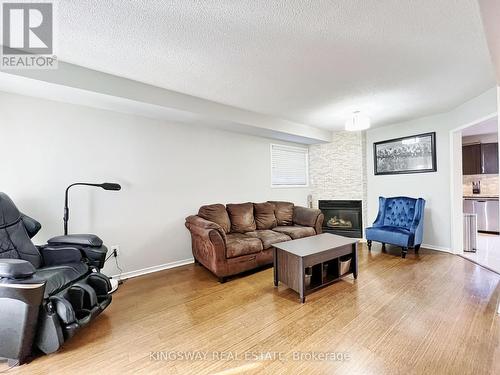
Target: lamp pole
105,186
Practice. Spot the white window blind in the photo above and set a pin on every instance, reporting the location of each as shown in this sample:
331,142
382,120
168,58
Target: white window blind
289,166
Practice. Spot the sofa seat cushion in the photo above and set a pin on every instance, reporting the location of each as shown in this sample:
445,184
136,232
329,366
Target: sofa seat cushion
238,244
283,212
241,216
269,237
264,215
216,213
295,231
390,235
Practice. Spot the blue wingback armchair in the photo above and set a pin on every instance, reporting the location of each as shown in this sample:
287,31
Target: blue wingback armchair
400,222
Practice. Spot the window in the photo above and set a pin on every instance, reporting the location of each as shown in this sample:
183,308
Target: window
289,166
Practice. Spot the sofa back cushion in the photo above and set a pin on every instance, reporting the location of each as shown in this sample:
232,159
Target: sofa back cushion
241,216
264,215
216,213
283,212
399,212
305,216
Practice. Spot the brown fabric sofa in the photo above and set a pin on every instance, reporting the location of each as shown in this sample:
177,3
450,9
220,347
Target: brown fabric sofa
238,237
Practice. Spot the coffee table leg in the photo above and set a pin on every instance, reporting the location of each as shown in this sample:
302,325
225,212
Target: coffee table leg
355,259
301,274
275,266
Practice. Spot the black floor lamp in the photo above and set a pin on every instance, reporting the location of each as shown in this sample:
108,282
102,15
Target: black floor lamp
105,186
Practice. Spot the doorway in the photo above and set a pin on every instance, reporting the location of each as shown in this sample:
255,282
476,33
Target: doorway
476,190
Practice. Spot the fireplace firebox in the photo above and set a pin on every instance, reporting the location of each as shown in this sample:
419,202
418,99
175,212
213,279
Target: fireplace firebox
342,217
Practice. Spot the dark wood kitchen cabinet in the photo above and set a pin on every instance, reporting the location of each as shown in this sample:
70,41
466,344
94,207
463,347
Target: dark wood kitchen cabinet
489,158
471,159
480,159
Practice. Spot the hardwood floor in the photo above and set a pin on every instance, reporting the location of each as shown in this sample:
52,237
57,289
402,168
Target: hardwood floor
433,313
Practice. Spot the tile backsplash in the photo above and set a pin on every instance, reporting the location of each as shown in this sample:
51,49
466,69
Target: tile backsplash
489,184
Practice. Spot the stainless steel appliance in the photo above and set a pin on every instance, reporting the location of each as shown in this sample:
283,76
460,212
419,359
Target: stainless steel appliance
487,213
470,233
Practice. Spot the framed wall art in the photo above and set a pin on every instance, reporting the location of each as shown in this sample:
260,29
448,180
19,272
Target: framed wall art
413,154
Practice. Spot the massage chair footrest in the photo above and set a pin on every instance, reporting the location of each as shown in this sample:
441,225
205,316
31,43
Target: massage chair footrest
72,308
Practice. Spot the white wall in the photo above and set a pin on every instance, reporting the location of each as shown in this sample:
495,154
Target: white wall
166,171
433,187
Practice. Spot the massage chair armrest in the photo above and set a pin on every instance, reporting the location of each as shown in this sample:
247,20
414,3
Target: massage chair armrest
90,246
16,269
21,297
90,240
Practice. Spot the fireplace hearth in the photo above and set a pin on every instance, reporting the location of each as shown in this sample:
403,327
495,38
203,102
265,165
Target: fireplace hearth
342,217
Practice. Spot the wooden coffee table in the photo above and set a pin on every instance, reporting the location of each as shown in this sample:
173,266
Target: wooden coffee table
323,256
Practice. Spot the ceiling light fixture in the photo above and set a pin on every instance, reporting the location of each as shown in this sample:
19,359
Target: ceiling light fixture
357,122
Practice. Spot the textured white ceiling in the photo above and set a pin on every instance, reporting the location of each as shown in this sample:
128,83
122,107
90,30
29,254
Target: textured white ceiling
490,11
312,62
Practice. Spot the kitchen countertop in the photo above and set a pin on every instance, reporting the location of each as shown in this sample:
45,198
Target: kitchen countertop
480,196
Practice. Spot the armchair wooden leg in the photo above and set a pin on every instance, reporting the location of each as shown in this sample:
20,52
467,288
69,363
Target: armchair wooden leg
417,248
369,243
404,251
383,247
222,279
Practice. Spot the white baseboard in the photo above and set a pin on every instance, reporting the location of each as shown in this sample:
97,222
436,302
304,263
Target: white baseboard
166,266
437,248
425,246
161,267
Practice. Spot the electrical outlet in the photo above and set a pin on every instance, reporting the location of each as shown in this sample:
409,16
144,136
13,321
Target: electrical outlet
115,250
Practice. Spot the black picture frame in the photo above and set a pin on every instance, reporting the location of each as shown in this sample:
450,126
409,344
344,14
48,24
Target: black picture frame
398,166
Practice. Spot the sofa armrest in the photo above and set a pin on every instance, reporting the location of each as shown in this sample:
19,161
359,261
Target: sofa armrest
307,217
195,220
208,241
318,226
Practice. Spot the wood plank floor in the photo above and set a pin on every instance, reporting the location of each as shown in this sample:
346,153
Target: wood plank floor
429,314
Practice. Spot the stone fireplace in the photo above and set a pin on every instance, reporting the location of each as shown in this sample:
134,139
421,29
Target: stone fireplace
342,217
338,171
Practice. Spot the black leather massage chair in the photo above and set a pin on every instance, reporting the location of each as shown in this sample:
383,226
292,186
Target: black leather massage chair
46,292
